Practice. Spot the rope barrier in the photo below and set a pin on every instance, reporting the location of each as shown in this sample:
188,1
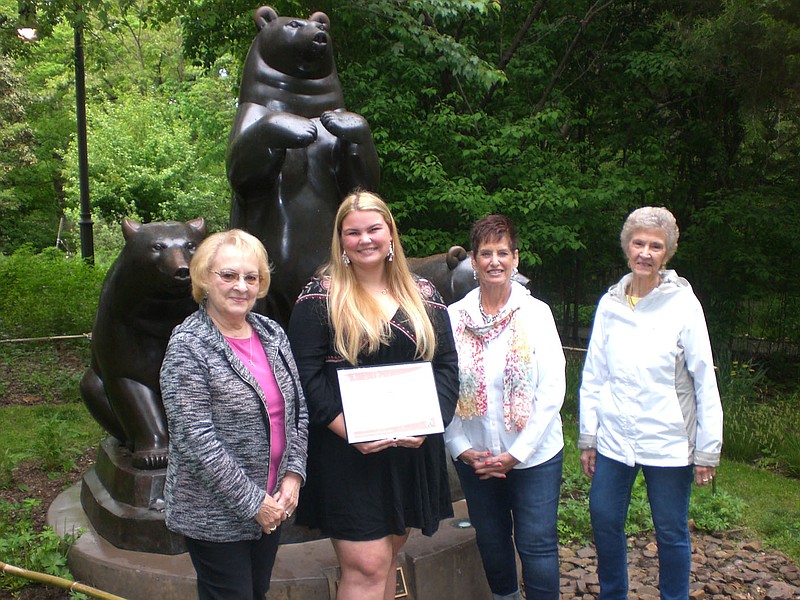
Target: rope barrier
571,349
65,584
88,336
48,338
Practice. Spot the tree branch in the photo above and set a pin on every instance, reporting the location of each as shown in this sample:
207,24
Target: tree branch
536,10
595,9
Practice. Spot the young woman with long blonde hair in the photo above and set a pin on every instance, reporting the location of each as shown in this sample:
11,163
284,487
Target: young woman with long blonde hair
365,308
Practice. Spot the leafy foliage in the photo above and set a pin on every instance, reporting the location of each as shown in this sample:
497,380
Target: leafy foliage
148,167
20,545
47,294
565,116
710,510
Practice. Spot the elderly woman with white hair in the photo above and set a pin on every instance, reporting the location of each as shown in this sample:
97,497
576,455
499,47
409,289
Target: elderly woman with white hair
238,423
648,401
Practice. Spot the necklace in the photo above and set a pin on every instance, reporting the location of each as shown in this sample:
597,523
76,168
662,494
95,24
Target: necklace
489,319
250,346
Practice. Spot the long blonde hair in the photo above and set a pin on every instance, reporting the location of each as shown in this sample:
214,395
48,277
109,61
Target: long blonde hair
356,318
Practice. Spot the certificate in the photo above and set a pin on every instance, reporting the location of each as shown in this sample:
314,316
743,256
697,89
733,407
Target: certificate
389,401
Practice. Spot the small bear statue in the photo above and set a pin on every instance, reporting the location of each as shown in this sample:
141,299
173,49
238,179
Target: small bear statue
294,151
146,293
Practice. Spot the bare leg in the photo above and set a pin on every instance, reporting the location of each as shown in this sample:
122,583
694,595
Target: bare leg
398,541
364,568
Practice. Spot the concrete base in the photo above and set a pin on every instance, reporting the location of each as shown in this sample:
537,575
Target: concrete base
441,567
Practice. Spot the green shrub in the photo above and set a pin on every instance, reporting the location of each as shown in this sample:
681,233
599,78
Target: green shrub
57,444
762,426
8,464
715,511
710,511
21,546
47,294
574,526
789,449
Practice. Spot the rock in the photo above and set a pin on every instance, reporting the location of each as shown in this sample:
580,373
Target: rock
722,569
781,590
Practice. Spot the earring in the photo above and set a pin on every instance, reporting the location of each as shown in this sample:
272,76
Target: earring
390,255
345,259
514,273
474,274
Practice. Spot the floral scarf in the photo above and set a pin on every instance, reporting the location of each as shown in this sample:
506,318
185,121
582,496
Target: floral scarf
518,384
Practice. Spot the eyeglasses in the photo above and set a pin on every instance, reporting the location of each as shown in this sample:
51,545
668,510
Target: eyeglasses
234,277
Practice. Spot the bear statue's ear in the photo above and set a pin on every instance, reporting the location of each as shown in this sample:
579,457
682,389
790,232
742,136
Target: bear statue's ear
454,256
129,227
264,15
198,224
320,17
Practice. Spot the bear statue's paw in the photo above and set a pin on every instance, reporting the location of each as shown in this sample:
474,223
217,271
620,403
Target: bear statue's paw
150,459
286,130
346,125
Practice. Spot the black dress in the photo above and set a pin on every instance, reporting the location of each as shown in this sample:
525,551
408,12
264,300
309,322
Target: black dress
354,496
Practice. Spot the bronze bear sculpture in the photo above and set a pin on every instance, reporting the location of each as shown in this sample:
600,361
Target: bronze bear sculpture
294,151
146,293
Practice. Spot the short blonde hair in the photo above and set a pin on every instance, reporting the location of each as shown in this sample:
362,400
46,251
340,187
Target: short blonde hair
356,319
200,267
651,217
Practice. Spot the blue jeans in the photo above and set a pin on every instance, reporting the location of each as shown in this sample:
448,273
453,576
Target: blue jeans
521,509
668,490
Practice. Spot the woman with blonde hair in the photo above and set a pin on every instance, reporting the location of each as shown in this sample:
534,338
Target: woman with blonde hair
366,308
238,424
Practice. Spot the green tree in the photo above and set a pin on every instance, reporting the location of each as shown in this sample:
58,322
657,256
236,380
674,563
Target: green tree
148,164
16,137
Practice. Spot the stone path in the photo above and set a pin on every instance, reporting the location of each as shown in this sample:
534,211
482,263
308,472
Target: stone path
723,568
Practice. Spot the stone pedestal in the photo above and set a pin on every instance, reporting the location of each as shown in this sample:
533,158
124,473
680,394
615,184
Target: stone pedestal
125,505
445,566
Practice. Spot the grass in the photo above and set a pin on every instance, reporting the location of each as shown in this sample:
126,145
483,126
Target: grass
31,421
772,502
766,503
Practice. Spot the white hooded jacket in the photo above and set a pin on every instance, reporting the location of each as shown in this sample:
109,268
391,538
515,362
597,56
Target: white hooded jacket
649,393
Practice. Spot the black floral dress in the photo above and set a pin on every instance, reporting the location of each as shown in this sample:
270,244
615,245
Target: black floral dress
358,497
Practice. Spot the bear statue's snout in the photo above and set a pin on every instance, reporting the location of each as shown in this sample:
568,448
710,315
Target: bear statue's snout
182,273
319,44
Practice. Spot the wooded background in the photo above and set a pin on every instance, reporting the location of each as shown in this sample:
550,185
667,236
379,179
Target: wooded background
563,115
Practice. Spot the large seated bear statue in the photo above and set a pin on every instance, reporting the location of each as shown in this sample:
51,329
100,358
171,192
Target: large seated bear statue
294,152
146,293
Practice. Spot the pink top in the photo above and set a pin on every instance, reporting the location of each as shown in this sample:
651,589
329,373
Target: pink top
251,353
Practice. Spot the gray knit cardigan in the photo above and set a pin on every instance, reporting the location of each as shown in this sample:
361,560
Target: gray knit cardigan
219,435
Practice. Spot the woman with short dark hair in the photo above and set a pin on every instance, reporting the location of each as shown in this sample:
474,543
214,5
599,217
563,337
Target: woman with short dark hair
507,435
